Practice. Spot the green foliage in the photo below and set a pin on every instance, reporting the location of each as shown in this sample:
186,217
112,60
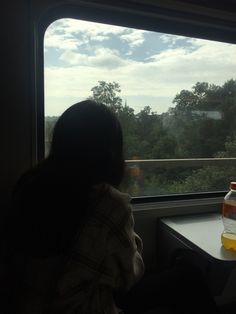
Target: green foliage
201,125
211,178
230,148
106,93
207,112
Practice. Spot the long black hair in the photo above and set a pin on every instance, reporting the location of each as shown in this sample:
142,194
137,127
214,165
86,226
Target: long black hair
88,143
51,201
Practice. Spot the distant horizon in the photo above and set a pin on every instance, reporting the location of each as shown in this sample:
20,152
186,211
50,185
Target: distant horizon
123,102
150,67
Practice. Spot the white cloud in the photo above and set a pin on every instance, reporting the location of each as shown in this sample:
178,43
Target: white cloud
153,82
210,61
74,26
101,38
169,55
59,41
171,39
63,33
103,57
134,37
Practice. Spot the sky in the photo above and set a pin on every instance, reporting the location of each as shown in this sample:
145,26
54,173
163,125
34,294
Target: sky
150,67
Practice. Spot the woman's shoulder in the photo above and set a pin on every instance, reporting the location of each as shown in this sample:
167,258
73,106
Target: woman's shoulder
108,197
119,196
105,190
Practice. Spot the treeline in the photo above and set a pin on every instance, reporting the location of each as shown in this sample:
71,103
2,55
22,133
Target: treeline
201,124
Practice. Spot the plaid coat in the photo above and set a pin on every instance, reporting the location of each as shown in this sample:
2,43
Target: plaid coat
106,257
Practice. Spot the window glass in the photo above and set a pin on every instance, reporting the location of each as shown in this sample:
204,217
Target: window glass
175,97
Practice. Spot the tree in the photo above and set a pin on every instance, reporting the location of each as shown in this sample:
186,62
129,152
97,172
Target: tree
230,148
206,112
128,123
202,124
106,93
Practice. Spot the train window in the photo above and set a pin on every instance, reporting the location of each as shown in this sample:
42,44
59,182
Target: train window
175,97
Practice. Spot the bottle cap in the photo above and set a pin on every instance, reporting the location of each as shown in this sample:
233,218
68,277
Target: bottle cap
233,185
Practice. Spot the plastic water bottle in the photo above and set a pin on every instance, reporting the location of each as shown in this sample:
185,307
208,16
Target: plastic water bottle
228,237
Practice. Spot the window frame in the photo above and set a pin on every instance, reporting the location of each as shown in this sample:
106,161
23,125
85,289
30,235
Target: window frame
140,16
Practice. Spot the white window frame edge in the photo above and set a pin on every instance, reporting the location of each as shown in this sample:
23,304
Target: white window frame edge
179,207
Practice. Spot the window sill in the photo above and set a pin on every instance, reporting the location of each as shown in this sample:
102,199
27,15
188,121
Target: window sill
179,207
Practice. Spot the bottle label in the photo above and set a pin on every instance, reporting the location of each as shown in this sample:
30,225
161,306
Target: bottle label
229,211
229,226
